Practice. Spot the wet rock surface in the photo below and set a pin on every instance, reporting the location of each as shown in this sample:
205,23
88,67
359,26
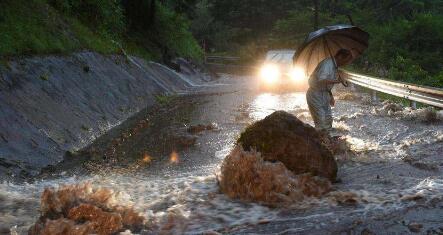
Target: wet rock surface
283,137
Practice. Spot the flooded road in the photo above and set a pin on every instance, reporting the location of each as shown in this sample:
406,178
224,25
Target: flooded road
390,183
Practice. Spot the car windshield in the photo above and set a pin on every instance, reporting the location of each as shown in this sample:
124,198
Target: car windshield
280,57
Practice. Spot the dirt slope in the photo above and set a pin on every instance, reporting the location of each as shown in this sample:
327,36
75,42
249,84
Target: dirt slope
53,104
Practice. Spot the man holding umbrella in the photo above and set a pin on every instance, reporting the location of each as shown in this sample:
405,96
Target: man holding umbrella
320,56
319,95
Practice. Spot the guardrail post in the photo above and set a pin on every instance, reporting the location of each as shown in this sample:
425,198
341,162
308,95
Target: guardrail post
374,97
413,104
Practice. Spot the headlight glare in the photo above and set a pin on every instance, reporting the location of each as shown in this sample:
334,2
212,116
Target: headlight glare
298,74
270,73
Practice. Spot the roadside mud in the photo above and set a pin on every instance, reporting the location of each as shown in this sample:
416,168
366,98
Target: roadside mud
156,133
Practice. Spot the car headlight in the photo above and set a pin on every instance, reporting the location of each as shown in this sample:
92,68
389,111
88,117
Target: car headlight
297,74
270,73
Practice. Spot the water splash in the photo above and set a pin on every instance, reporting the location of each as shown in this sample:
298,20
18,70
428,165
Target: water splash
246,176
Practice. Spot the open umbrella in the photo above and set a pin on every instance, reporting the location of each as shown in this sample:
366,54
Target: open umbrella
325,43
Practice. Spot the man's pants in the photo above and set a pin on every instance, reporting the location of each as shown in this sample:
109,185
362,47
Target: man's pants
320,109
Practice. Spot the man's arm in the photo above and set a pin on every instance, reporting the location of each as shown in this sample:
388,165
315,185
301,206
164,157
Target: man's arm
327,80
327,73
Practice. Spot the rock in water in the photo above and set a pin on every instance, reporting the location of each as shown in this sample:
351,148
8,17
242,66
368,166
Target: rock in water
282,137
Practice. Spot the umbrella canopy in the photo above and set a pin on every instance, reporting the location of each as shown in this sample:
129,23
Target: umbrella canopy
325,43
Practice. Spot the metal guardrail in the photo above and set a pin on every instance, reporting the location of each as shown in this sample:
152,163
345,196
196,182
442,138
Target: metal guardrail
415,93
423,94
221,58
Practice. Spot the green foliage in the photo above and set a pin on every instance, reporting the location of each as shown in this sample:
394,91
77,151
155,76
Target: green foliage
411,50
406,70
158,28
173,31
406,40
44,77
437,80
181,6
291,31
32,27
23,31
420,39
102,15
146,27
212,33
92,41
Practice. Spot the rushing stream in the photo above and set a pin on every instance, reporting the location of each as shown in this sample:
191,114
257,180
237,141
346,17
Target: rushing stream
392,178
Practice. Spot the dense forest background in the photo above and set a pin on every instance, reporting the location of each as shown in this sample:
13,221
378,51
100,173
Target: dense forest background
406,35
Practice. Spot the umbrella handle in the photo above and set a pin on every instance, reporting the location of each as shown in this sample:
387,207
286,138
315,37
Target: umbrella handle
343,82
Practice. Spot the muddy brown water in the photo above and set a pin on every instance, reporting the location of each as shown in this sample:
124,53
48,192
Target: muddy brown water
394,172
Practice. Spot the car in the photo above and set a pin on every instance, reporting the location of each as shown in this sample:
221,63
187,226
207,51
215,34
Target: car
277,72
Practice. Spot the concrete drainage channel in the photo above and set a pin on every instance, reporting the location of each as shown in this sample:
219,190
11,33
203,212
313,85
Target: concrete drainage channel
53,104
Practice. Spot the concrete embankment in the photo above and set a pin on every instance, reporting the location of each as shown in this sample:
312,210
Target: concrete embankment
53,104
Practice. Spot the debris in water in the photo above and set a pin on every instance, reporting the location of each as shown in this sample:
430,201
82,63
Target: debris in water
426,115
282,137
183,141
347,95
200,128
366,231
392,109
174,223
349,116
412,197
247,176
345,198
415,227
81,209
341,127
419,164
174,158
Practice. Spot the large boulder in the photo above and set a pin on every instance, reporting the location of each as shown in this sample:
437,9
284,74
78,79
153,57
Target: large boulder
284,138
